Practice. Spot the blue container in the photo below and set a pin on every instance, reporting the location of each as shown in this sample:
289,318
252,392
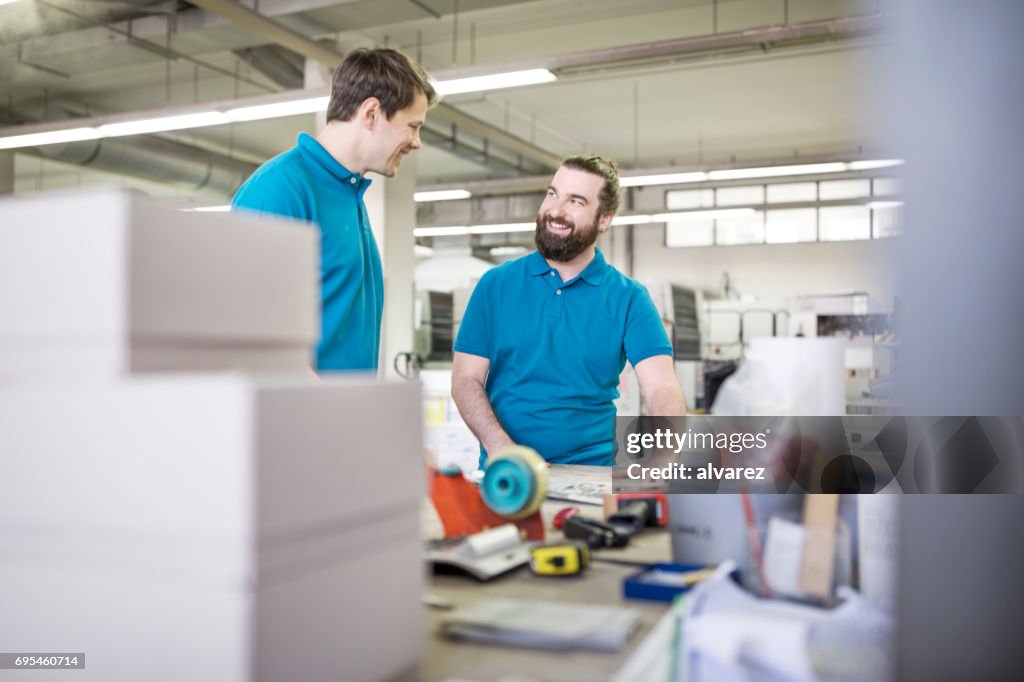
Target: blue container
655,582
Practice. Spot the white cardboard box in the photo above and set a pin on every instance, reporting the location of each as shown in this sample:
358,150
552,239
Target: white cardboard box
214,527
106,282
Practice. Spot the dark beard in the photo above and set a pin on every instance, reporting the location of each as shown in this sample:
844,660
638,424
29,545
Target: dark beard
563,249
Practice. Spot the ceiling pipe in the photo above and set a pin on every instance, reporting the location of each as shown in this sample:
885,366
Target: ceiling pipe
157,160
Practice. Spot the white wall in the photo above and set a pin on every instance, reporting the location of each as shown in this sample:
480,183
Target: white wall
774,271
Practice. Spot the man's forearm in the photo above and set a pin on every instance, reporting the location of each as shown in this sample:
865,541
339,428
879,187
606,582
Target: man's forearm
476,411
666,401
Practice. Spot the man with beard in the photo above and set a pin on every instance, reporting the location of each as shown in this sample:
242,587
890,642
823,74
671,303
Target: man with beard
545,337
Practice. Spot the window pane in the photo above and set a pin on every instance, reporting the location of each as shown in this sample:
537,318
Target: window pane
690,233
740,196
791,225
792,191
678,200
839,223
747,229
887,222
844,189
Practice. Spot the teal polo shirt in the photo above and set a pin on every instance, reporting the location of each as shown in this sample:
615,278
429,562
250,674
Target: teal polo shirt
307,183
556,351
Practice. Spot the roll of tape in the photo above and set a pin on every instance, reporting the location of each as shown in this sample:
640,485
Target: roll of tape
494,540
515,482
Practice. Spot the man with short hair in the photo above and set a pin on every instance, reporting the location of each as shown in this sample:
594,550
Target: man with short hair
379,99
545,337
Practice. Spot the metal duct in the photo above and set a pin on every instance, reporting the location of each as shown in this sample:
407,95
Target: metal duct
155,159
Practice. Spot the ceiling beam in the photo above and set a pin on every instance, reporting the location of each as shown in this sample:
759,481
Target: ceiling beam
270,29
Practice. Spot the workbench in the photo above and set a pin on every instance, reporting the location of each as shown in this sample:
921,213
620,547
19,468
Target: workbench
600,584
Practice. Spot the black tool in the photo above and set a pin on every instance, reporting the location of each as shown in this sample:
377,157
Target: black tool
595,533
634,515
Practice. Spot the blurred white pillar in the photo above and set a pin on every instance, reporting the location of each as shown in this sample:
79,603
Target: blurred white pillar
958,94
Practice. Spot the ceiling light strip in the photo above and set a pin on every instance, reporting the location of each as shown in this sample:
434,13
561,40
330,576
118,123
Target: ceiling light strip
441,195
755,173
494,81
293,104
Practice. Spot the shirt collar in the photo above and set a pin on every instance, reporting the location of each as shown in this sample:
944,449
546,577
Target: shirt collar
310,145
593,274
536,265
595,270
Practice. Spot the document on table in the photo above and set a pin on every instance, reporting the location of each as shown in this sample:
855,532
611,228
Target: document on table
543,625
581,484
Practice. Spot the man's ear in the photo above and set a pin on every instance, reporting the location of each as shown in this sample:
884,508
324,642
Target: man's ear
605,222
369,112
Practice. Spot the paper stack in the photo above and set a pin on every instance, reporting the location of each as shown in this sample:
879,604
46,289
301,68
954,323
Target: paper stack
543,625
220,526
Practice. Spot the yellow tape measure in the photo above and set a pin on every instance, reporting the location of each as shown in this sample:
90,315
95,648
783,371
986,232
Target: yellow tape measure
568,558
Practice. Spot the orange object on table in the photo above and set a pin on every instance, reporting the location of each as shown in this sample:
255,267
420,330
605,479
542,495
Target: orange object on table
463,512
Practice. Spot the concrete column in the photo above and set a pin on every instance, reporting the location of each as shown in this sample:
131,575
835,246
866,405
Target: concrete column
7,172
393,216
316,75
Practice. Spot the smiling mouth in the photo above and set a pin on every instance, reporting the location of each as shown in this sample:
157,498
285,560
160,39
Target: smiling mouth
558,227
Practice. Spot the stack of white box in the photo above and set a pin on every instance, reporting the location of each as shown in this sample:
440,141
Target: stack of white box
223,525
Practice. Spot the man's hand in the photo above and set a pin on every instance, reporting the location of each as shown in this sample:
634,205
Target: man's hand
469,374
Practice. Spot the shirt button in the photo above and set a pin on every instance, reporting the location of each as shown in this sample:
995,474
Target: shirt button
558,291
552,273
352,180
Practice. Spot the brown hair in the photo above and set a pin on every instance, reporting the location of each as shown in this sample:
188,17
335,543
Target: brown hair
608,197
386,74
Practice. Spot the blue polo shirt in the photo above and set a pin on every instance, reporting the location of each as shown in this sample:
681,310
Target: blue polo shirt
556,351
307,183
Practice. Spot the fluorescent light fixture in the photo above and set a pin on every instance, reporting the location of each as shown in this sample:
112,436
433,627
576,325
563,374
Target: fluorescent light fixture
422,251
8,2
701,215
52,137
878,163
508,250
447,231
494,81
631,220
503,227
460,230
750,173
884,204
201,119
663,179
442,195
775,171
259,112
222,208
95,127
